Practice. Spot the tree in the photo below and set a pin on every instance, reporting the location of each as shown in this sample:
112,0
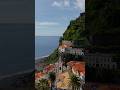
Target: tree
52,78
43,85
75,82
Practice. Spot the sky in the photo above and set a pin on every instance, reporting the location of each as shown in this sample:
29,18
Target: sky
53,16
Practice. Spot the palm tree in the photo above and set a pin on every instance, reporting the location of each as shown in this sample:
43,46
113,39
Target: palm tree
43,85
52,78
75,82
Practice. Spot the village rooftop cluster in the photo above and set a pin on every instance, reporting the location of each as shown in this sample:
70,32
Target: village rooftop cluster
64,68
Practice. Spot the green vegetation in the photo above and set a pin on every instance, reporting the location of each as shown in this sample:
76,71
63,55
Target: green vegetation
102,22
75,82
76,30
52,78
52,58
42,85
98,29
100,26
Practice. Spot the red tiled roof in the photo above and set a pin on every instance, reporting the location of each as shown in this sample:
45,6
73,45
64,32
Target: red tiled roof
77,66
71,63
80,67
49,68
39,75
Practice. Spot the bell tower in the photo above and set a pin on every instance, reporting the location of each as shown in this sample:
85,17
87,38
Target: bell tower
60,61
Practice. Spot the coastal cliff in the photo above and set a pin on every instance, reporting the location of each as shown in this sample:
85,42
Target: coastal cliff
98,29
74,31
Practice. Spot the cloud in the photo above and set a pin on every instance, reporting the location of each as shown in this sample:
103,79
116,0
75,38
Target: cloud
66,3
61,3
80,4
48,28
45,24
70,4
57,4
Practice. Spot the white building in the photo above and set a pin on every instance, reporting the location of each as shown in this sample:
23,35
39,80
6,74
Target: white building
74,51
68,47
59,66
70,50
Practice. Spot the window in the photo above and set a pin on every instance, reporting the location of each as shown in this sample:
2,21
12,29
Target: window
59,68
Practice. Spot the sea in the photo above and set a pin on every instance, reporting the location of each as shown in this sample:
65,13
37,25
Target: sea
45,45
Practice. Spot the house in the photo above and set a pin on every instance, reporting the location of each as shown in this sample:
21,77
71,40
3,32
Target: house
38,76
100,60
77,68
67,48
62,48
49,68
67,43
63,81
59,65
39,66
74,51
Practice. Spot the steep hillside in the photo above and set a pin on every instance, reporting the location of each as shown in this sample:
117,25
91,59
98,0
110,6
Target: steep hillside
99,28
76,30
102,24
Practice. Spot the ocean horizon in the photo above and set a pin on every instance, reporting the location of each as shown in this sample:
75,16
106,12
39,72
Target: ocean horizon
45,45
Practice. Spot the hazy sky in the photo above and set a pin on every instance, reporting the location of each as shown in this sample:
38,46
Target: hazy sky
53,16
